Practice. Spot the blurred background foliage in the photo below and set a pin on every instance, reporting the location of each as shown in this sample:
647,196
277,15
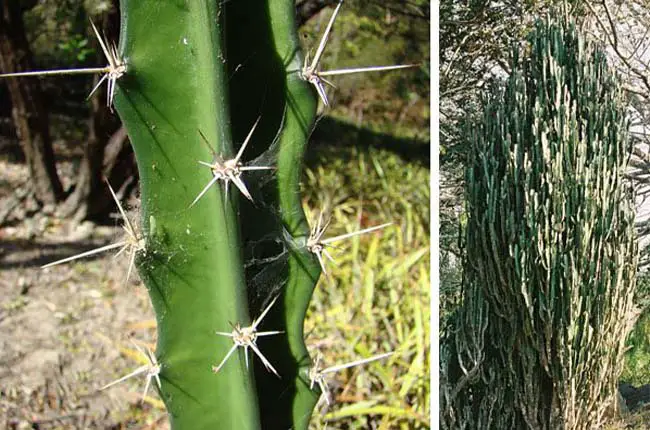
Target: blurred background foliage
379,33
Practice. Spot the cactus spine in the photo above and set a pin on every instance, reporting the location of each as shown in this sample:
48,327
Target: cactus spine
549,274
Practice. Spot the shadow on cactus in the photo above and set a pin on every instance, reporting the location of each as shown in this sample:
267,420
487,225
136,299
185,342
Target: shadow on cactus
550,258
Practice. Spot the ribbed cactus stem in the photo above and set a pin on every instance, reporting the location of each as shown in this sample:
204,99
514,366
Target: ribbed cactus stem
214,296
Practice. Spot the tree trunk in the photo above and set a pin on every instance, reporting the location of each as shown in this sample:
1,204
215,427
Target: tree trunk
29,116
90,198
309,8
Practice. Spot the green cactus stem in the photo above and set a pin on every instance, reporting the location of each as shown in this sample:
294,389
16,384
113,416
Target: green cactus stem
211,69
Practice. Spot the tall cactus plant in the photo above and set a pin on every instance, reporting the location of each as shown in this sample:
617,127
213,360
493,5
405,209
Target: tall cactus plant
549,273
219,103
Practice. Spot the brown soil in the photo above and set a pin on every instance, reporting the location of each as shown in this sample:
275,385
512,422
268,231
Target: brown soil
65,331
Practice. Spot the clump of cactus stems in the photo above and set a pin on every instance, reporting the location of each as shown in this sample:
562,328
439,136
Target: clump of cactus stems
223,273
550,258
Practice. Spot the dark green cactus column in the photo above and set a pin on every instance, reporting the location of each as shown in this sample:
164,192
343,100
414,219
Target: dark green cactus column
212,69
551,257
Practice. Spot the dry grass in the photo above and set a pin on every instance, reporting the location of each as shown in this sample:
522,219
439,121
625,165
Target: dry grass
377,296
